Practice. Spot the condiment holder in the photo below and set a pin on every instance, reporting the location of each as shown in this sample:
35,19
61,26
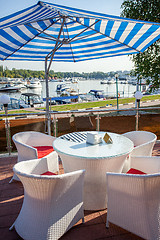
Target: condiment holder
93,138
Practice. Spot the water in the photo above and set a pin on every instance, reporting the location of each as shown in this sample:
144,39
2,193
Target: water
125,90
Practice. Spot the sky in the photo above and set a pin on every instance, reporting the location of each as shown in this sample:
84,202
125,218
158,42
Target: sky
111,7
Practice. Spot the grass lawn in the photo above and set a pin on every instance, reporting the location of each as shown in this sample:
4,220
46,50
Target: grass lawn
76,106
83,105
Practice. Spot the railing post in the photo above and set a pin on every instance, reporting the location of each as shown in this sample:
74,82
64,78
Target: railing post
137,115
138,96
116,76
55,126
98,123
8,135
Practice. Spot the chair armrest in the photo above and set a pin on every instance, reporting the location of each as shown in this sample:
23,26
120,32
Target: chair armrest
120,185
144,149
25,152
34,166
146,164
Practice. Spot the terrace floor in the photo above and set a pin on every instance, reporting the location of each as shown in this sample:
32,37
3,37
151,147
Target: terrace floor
11,198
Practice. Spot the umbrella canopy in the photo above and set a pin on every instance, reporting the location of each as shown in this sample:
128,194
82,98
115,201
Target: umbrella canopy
53,32
70,34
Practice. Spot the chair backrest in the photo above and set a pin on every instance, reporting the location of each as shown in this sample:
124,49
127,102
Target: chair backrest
52,204
133,203
30,172
26,141
28,137
143,141
140,137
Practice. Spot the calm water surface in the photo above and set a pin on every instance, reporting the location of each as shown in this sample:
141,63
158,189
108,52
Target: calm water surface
125,90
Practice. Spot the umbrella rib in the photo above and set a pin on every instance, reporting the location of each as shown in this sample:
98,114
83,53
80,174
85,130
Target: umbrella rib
70,44
26,42
52,38
51,54
109,37
87,27
54,50
84,37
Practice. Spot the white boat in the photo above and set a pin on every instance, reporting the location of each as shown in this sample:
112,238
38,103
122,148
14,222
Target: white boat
10,88
97,94
31,100
27,100
74,80
104,82
60,87
66,91
34,84
20,84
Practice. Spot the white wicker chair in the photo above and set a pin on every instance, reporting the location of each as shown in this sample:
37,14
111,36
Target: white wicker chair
52,204
143,145
27,141
95,197
134,200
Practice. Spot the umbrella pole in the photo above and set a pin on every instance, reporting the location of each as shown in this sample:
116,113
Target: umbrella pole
51,55
48,116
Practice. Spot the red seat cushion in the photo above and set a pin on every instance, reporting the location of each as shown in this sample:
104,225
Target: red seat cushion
43,150
48,173
135,171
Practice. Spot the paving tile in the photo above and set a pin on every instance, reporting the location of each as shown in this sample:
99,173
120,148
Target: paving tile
88,232
103,214
92,218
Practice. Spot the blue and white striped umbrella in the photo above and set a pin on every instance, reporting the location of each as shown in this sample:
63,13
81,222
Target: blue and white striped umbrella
67,34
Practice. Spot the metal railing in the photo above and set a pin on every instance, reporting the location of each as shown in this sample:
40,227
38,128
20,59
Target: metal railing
54,115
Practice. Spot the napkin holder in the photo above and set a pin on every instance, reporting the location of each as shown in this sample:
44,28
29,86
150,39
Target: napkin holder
93,138
107,138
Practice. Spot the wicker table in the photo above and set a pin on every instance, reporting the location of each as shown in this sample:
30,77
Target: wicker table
97,159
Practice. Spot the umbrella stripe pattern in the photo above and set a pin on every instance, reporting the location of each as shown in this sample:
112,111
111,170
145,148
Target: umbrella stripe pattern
71,34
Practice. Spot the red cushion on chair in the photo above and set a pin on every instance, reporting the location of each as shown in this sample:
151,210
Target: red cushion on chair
135,171
43,150
48,173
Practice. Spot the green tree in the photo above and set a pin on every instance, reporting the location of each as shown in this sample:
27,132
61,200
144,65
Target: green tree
147,64
1,70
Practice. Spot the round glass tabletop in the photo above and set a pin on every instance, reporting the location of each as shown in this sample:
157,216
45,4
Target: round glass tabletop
70,146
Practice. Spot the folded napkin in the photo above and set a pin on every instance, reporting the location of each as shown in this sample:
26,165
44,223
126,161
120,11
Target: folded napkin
107,138
93,138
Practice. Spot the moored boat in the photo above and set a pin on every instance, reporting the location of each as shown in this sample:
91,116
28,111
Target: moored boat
34,84
104,82
97,94
60,87
10,88
32,99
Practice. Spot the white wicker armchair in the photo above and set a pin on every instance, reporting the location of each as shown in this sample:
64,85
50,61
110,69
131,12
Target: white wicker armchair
34,145
134,200
52,204
143,145
95,197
